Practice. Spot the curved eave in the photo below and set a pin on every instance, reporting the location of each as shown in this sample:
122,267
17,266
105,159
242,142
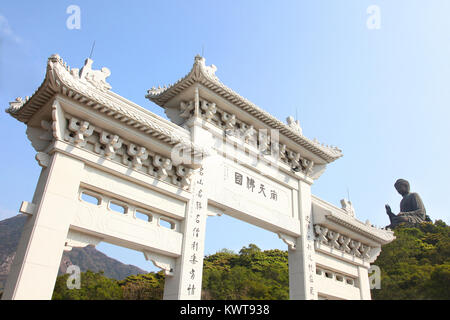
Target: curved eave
330,215
380,236
58,80
198,74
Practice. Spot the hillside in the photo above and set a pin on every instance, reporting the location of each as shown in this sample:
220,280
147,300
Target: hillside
416,266
87,258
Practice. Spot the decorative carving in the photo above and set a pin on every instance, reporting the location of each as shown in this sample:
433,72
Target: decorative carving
348,207
307,166
209,109
290,241
341,242
43,159
345,241
80,240
283,153
109,144
186,175
294,160
16,104
138,154
206,75
97,78
163,165
166,264
78,131
321,233
230,122
294,125
264,146
354,245
248,133
364,251
333,239
40,137
137,157
187,109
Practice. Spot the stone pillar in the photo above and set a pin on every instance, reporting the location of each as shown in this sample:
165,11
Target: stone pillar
364,286
38,256
302,267
186,283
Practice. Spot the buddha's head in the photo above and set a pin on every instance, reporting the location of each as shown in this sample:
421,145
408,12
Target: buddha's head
402,186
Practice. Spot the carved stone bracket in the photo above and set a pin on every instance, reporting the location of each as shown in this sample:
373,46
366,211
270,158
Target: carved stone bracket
78,131
321,233
163,165
167,264
289,240
27,208
43,159
41,138
108,144
138,154
184,176
209,109
229,121
113,147
187,109
232,126
80,240
342,243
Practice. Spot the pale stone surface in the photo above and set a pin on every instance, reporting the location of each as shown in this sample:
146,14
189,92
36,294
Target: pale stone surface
219,154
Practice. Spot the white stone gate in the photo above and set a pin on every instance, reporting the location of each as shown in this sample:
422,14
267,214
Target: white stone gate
219,153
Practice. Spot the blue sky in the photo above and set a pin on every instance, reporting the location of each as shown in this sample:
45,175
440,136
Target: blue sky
380,95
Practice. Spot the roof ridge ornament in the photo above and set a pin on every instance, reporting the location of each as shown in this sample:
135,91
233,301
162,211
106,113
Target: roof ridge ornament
294,125
200,65
97,78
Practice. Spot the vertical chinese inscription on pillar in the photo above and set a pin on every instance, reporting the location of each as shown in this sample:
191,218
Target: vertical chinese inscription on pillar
309,257
196,223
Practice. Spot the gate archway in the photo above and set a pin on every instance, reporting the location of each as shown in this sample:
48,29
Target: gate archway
219,153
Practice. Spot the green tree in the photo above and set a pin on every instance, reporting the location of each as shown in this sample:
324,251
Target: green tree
416,264
148,286
94,286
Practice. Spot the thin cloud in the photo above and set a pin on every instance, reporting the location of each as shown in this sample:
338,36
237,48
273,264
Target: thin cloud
6,31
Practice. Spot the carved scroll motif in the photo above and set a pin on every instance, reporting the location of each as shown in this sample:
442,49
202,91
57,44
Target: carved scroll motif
209,109
138,154
186,109
113,147
108,144
78,131
163,165
186,175
343,243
